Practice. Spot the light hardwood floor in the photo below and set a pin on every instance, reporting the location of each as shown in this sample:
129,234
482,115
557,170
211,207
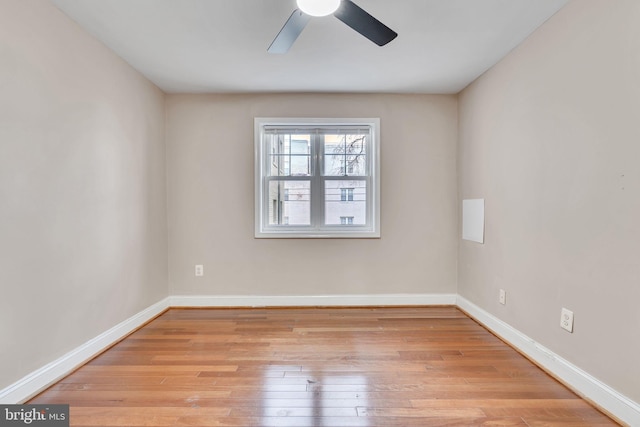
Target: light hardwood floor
431,366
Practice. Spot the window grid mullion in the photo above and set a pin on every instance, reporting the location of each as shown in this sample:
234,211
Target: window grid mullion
317,192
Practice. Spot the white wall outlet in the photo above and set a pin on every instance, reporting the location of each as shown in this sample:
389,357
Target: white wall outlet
199,270
566,319
502,297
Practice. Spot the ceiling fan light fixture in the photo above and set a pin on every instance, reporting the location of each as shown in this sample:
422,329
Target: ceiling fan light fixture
318,7
344,10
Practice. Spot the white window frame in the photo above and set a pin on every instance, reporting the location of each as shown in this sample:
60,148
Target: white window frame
317,229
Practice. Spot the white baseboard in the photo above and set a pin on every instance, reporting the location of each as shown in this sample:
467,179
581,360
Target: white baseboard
38,380
618,405
311,300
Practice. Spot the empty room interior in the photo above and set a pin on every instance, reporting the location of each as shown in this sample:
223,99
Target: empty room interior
497,189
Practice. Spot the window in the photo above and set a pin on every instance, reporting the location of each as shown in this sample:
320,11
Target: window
346,194
317,178
346,220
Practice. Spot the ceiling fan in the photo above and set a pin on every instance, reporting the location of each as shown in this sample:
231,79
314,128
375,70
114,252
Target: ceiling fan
345,10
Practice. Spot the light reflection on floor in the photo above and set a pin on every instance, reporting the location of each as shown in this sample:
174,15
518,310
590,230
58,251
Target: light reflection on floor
307,397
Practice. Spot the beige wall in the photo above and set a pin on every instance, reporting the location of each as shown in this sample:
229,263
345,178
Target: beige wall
550,137
211,200
82,193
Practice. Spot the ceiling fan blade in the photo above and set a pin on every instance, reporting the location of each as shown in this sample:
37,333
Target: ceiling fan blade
358,19
289,32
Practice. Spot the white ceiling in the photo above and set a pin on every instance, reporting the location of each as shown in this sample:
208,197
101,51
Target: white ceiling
221,45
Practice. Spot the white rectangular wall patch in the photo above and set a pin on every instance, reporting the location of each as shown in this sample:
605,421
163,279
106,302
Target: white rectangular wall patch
473,220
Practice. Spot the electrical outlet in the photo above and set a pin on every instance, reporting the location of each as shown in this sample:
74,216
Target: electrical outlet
199,270
566,319
503,297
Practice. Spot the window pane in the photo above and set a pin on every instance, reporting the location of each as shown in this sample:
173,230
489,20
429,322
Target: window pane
289,154
289,203
345,202
345,154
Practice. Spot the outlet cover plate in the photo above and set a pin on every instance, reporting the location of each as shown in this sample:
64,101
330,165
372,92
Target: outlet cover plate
199,270
566,320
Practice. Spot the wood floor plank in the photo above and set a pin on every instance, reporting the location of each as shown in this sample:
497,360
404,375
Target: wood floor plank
372,366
